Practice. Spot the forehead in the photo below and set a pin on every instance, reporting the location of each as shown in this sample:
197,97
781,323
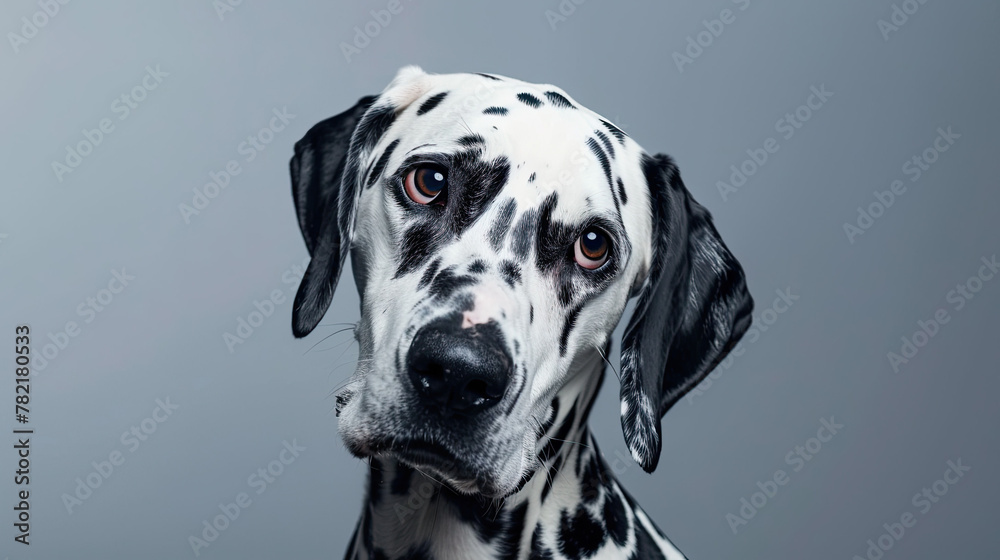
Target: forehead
553,143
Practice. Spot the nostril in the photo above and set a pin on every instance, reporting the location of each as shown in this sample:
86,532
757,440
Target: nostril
430,379
477,393
462,373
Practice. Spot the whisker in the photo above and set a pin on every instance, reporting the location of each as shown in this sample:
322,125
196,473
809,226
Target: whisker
570,441
326,337
605,358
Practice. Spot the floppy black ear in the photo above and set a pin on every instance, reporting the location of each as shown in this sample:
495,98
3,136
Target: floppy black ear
692,309
324,203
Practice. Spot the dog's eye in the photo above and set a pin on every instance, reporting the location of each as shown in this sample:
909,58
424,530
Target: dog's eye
591,249
425,184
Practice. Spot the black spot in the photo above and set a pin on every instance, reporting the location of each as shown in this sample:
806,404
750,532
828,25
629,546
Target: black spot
379,166
552,238
621,191
567,327
342,399
401,482
554,407
550,477
470,140
517,347
590,404
615,518
510,542
480,181
579,535
431,102
446,282
531,313
558,100
566,294
589,493
538,551
606,166
482,516
645,546
590,471
374,124
524,232
555,443
511,273
478,266
617,132
429,273
607,143
498,231
495,110
603,159
488,76
531,179
529,100
419,242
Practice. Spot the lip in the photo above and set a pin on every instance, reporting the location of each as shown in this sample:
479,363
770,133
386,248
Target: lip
435,459
421,453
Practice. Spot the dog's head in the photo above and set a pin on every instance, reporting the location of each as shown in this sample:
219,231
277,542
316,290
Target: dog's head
497,229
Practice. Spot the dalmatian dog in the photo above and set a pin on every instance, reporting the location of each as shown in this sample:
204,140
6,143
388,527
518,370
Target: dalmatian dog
496,230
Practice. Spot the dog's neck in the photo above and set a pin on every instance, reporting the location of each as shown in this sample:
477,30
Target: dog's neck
570,507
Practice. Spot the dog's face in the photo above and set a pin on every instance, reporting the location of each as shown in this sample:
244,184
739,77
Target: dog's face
497,229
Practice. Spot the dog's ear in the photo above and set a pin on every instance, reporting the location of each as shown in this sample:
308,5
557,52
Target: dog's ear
325,188
324,202
692,308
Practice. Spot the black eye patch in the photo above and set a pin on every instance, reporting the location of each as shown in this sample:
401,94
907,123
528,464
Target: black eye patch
473,184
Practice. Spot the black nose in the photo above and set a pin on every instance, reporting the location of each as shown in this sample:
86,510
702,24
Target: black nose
459,371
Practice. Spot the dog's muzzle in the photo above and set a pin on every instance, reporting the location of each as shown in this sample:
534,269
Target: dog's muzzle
459,371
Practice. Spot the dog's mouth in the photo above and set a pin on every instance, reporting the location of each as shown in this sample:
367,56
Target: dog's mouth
437,461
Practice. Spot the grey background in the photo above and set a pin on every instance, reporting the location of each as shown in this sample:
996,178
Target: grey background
162,336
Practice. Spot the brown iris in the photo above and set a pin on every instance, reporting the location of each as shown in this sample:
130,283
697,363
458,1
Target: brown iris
591,249
425,184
